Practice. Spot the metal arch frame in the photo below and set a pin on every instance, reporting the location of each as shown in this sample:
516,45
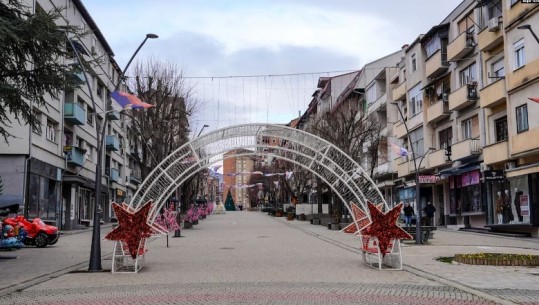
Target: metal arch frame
307,141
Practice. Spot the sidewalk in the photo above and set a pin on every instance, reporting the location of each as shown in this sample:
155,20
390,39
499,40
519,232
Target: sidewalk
252,258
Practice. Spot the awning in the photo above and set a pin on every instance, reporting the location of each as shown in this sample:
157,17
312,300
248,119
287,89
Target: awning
453,171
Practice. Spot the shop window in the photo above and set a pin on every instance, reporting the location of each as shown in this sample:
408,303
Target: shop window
522,118
471,192
501,129
519,200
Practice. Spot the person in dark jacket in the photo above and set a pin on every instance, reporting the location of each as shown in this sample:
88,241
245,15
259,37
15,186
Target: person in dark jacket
408,213
429,211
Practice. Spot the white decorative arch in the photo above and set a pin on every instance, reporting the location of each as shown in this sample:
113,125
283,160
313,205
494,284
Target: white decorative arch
339,171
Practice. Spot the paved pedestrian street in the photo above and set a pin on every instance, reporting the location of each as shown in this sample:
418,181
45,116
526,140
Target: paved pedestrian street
252,258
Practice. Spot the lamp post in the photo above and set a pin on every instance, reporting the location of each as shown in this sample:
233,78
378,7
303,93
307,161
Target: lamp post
528,27
202,129
198,177
95,251
417,187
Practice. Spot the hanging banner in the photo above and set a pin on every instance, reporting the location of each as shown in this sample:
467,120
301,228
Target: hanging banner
425,179
524,205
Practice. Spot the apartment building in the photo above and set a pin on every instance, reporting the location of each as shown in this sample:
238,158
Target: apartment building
234,162
52,173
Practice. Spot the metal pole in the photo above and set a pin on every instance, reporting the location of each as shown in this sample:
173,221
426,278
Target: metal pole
417,188
95,251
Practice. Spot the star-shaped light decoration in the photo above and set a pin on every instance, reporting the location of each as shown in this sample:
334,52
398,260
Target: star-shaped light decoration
384,226
361,218
132,226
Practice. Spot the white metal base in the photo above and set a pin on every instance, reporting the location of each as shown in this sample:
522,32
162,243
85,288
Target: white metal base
122,262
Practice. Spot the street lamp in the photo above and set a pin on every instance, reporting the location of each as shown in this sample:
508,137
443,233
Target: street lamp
95,251
528,27
416,168
202,129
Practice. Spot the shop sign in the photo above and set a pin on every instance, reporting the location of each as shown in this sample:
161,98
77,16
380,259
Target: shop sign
428,179
119,192
494,175
524,205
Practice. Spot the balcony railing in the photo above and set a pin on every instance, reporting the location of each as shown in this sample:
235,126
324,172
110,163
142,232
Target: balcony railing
113,115
438,111
438,158
74,114
496,153
112,143
399,93
404,169
489,39
525,141
460,46
114,175
466,148
380,103
493,94
436,64
523,75
74,155
463,97
135,179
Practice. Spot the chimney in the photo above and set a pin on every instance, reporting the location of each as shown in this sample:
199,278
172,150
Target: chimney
404,47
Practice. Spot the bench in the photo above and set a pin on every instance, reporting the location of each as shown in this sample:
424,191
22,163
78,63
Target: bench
427,232
85,222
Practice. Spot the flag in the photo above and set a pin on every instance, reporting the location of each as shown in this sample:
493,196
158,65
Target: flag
129,101
400,151
288,175
535,99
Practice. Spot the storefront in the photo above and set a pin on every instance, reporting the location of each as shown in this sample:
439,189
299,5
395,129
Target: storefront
44,192
496,184
467,203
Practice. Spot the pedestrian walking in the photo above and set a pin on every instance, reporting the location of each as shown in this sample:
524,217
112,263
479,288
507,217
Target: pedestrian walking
408,213
429,211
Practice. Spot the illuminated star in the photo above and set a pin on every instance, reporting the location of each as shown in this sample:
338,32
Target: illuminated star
384,226
132,226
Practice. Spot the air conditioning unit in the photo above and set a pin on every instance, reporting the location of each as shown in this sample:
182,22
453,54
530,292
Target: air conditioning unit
483,167
494,24
509,165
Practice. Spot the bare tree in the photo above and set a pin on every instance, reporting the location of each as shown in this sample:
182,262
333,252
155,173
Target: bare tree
165,127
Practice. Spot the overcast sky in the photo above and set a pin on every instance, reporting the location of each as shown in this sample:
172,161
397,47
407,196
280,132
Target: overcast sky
265,38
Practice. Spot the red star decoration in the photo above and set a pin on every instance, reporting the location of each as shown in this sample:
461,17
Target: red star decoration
132,226
384,226
361,218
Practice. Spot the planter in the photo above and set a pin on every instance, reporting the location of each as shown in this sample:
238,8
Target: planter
498,259
187,225
290,216
195,222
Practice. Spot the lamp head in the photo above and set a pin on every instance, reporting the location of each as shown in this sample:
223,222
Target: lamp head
152,36
206,125
524,27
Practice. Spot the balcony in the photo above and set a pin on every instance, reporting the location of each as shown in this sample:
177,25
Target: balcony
384,168
404,169
436,64
460,46
523,75
74,114
493,94
466,148
74,155
438,111
487,40
399,93
113,115
438,158
399,130
112,143
525,141
114,175
134,179
463,97
495,153
379,104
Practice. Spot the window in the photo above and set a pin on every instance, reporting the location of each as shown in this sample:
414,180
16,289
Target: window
468,75
497,69
470,128
522,118
37,116
90,116
371,94
417,141
518,49
466,24
432,45
501,129
446,138
416,100
50,131
414,62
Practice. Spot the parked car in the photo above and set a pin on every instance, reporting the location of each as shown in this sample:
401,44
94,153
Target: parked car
38,233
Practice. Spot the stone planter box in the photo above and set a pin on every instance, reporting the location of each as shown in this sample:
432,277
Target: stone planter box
503,260
187,225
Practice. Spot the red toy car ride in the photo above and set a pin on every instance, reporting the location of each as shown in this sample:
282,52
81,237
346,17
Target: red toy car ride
38,233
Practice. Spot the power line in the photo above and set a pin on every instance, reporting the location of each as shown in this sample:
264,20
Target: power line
270,75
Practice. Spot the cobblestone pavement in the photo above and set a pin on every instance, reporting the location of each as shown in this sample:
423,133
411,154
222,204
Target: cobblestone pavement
252,258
